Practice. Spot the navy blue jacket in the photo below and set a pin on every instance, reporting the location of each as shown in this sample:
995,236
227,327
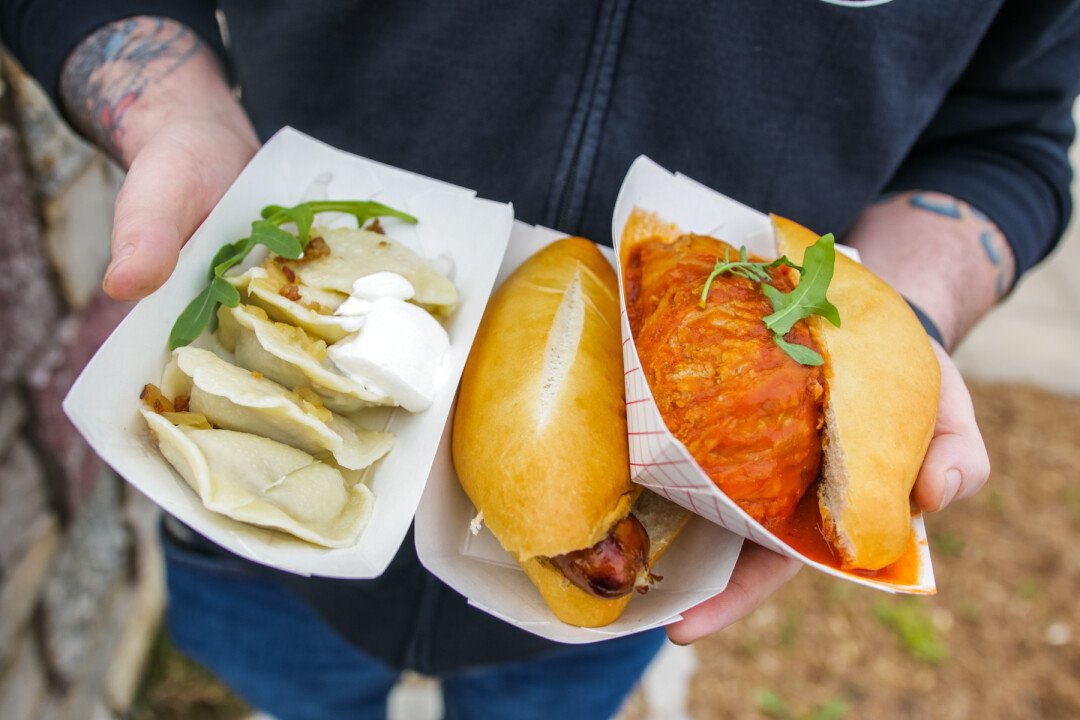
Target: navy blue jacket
808,108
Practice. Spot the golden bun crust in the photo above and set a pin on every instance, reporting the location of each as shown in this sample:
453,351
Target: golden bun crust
644,225
571,604
881,406
539,437
663,521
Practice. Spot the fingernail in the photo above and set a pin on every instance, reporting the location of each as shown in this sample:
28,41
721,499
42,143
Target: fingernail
121,255
952,487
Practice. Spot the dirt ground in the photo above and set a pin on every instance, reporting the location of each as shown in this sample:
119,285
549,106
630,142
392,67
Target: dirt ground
1000,640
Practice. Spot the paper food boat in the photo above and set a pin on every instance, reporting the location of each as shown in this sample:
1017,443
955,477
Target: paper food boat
657,459
292,167
696,567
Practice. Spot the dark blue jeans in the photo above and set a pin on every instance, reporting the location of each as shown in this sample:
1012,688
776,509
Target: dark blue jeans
276,653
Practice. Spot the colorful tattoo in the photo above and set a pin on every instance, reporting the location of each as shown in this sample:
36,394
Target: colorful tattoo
993,243
110,70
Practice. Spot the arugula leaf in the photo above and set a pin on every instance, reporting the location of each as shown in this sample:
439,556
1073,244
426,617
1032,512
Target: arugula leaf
279,241
225,292
201,312
800,353
228,255
808,297
753,271
303,216
362,210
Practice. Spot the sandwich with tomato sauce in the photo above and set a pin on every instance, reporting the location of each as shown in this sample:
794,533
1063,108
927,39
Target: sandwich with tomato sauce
803,384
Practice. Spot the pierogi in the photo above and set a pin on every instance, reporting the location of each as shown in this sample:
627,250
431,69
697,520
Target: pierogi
288,355
356,253
236,399
270,436
264,482
312,311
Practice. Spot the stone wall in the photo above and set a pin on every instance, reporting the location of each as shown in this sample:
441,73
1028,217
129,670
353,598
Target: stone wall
80,577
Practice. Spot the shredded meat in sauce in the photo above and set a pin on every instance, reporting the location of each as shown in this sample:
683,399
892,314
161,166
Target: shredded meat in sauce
750,415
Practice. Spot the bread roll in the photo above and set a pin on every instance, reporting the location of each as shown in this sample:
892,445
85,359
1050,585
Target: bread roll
663,521
539,436
884,381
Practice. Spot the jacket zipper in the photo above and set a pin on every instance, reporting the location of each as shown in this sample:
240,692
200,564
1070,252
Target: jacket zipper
571,182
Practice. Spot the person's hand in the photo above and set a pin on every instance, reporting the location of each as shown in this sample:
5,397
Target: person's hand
757,575
956,466
174,181
149,93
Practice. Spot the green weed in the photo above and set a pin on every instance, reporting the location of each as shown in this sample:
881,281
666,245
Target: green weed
995,502
1072,499
968,611
777,708
789,627
1029,587
947,543
911,623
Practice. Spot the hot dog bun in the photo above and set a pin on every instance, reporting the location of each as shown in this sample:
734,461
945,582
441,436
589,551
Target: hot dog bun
663,521
884,381
539,436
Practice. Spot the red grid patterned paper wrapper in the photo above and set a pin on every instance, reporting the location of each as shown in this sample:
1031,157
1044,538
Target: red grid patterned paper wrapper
657,459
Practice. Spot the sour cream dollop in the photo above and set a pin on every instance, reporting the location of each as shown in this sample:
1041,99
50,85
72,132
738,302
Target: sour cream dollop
399,347
350,314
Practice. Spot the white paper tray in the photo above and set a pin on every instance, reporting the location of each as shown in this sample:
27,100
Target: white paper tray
696,567
657,459
103,402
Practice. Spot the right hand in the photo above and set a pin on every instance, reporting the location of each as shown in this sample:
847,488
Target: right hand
956,463
173,182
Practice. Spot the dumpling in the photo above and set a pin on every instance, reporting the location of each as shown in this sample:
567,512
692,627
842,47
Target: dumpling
290,357
263,482
236,399
356,253
262,287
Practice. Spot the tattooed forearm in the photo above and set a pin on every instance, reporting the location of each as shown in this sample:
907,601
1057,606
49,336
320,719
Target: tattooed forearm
940,253
110,70
994,247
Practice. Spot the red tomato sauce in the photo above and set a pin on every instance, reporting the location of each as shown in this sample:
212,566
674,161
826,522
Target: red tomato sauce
804,531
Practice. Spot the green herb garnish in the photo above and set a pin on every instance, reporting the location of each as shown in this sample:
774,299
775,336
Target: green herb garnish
755,272
202,311
806,299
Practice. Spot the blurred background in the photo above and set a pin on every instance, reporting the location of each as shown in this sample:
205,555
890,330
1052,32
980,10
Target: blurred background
81,594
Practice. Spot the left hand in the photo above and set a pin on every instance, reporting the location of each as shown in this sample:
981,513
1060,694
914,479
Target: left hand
757,575
956,466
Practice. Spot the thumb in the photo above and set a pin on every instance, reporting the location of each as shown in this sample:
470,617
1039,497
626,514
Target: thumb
171,186
956,463
758,573
154,216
